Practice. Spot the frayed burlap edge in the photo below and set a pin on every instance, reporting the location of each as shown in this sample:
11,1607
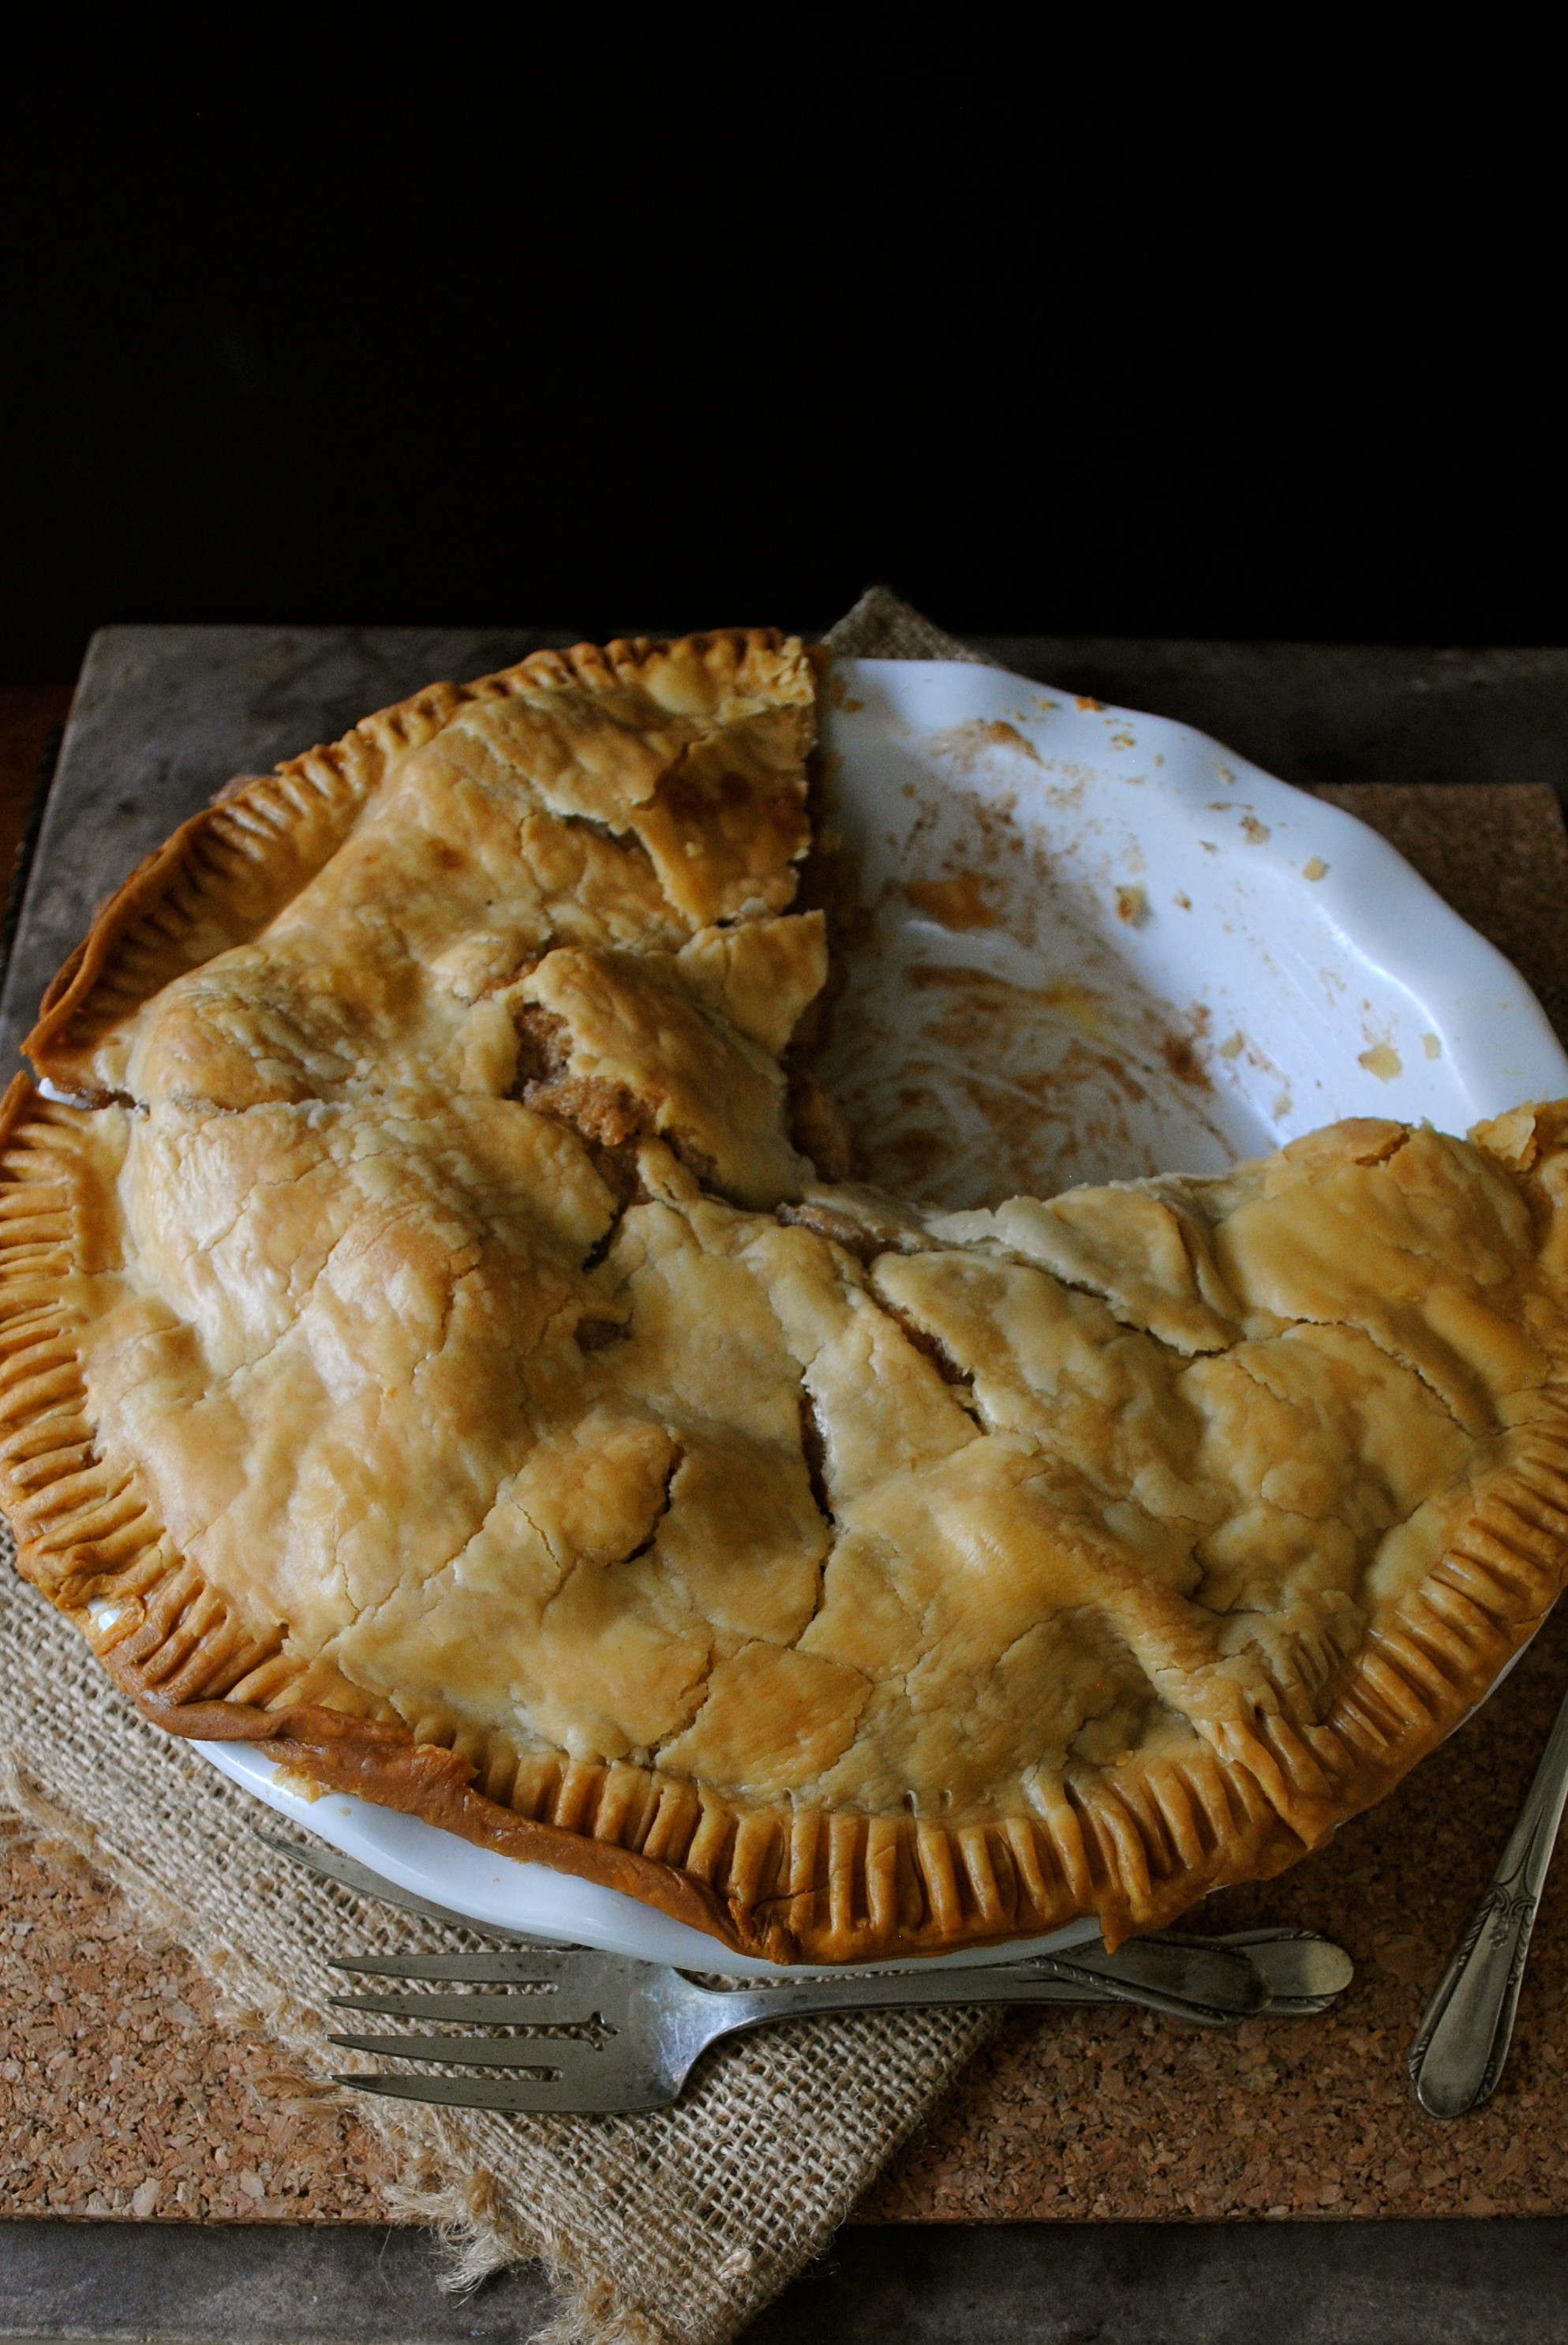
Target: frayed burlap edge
881,626
703,2211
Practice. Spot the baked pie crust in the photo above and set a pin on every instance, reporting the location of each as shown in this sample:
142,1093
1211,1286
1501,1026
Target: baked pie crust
431,1348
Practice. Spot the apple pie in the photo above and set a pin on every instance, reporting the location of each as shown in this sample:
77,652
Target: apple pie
442,1342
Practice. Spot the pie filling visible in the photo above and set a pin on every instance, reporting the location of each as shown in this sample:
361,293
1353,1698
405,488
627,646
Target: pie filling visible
429,1346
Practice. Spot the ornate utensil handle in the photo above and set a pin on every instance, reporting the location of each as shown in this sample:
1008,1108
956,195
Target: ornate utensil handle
1458,2054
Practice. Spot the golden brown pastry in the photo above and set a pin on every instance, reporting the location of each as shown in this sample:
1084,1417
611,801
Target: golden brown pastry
427,1349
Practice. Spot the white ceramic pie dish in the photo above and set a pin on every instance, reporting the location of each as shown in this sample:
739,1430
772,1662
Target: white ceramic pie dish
1098,945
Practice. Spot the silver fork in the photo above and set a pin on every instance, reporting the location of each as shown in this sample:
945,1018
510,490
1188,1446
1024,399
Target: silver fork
654,2021
591,2032
1462,2042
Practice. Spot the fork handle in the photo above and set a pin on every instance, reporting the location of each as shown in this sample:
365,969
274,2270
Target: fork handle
1459,2049
725,2011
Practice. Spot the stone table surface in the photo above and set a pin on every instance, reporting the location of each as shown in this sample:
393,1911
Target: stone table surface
121,2097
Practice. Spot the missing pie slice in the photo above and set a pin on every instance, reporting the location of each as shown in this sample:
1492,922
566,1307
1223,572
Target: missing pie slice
431,1348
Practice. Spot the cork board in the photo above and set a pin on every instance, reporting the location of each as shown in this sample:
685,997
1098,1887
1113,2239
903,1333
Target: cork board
120,2094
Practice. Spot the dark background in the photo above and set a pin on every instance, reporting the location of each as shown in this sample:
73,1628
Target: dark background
1104,329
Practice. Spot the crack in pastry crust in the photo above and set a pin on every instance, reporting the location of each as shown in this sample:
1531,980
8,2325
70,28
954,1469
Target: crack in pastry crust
429,1349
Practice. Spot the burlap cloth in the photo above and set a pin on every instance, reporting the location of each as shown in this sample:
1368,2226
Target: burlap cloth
673,2229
